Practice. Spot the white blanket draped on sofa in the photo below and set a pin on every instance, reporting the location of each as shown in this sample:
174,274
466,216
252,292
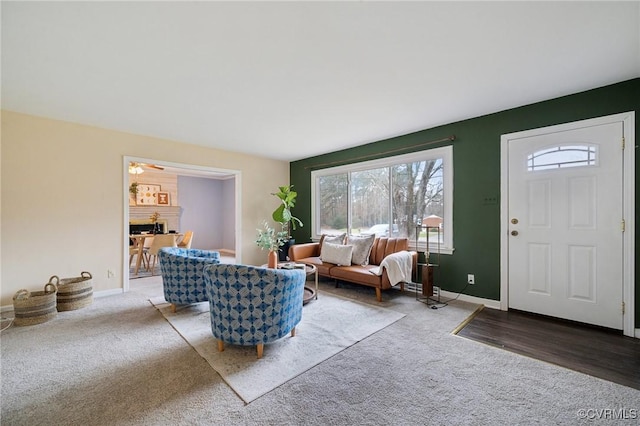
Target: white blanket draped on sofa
398,267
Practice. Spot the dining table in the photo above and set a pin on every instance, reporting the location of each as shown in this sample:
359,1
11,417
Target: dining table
138,242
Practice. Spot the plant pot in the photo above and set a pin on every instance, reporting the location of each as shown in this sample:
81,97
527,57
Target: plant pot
283,253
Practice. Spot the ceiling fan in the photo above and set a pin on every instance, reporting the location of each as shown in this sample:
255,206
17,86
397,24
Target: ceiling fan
136,168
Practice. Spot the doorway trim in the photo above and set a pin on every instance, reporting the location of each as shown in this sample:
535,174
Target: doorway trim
628,262
126,159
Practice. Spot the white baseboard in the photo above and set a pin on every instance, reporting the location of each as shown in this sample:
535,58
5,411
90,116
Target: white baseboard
96,294
637,333
494,304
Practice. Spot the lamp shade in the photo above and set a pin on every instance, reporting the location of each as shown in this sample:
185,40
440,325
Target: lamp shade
135,169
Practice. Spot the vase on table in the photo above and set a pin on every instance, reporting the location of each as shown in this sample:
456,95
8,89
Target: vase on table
272,261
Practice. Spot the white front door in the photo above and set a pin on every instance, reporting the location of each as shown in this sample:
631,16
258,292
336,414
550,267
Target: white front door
565,213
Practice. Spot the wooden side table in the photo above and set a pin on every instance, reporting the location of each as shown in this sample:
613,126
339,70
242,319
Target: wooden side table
311,269
309,293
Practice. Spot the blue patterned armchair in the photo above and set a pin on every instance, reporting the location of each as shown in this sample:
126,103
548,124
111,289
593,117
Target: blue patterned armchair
182,276
253,306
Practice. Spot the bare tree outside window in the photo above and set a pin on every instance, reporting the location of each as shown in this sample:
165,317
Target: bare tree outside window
416,192
369,199
389,197
333,203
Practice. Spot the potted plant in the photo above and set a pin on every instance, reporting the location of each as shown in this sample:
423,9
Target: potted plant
154,219
133,190
283,216
269,239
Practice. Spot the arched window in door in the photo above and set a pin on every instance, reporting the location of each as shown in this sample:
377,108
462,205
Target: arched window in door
562,156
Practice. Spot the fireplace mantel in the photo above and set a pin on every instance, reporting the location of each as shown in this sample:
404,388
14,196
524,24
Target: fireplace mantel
170,213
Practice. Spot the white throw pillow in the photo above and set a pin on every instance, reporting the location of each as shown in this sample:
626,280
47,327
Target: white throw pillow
361,248
336,253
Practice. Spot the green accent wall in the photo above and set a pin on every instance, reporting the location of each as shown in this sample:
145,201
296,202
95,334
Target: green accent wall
476,159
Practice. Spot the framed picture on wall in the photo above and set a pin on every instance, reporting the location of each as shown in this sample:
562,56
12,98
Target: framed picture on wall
147,194
163,198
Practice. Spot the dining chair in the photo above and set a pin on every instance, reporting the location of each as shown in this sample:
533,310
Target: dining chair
136,249
147,242
159,241
186,240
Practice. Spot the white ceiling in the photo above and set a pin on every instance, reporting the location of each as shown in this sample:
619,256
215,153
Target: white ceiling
289,80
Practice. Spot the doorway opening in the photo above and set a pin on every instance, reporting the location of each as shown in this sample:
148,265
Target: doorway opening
206,200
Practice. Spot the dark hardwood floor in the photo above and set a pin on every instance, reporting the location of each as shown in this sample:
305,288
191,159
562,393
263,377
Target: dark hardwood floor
599,352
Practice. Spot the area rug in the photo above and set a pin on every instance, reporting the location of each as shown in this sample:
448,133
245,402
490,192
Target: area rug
329,325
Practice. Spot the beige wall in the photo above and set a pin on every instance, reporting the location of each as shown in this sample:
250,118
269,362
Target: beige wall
62,198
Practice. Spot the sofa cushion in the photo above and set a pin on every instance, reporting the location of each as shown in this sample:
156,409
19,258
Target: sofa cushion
336,253
361,248
385,246
357,274
333,239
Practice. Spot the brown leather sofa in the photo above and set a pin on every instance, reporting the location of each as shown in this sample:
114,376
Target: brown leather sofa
309,253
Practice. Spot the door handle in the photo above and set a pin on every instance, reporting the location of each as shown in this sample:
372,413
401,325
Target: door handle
514,233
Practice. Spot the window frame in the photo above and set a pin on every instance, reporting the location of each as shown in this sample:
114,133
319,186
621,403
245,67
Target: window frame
445,153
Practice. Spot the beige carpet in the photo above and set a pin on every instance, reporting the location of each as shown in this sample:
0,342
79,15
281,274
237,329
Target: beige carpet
329,325
119,362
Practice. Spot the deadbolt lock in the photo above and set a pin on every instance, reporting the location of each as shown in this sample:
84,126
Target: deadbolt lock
514,221
514,233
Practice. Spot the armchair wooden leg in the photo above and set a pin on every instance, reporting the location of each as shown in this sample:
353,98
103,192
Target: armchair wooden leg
260,347
220,346
402,286
293,332
379,294
173,308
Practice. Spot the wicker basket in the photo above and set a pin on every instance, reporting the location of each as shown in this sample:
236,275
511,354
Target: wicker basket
35,307
73,293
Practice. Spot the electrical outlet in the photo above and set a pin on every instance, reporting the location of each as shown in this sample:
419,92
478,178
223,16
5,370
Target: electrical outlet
110,273
471,279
